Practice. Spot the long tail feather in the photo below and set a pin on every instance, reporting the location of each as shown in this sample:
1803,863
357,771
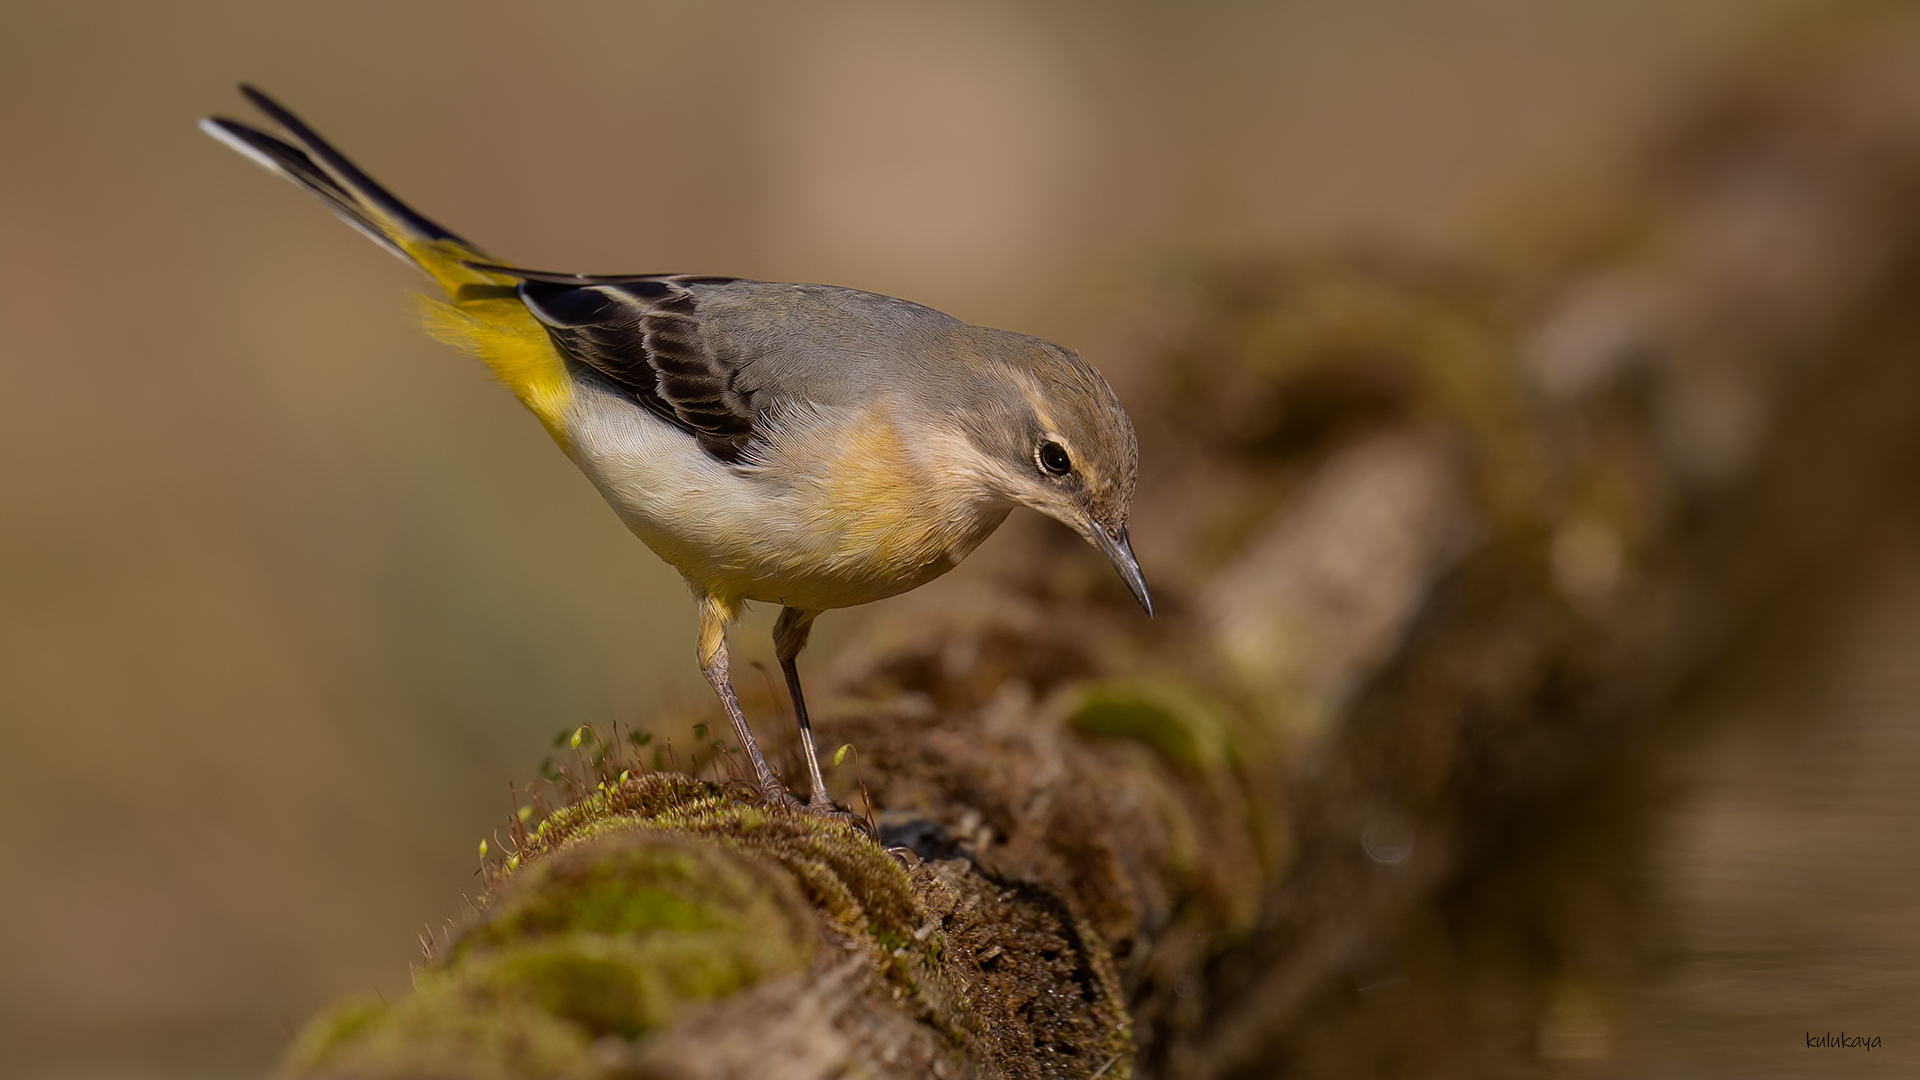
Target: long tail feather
363,186
293,164
323,172
556,278
481,313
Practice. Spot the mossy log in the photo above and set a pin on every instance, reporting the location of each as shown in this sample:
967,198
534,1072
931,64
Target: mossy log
1432,545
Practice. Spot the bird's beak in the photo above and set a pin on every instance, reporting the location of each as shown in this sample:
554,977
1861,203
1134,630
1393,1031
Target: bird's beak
1119,551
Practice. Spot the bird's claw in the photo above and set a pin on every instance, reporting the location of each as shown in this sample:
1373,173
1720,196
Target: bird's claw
778,796
818,806
823,807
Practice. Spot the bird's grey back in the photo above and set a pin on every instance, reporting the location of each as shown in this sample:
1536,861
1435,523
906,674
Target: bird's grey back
841,347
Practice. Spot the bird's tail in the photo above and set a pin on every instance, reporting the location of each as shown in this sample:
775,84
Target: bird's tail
481,313
326,174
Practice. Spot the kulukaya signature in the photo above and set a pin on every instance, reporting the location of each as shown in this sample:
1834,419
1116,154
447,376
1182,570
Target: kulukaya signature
1853,1042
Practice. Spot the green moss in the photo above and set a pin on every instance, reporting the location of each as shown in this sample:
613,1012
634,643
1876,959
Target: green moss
603,994
606,933
659,891
627,907
863,891
342,1022
1183,726
608,985
629,886
443,1036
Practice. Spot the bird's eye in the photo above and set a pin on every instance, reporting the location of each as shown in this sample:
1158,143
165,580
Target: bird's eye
1053,459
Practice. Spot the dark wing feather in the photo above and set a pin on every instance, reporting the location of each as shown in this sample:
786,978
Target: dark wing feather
642,335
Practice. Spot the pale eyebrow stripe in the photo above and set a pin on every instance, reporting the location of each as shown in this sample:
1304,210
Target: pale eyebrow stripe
1031,390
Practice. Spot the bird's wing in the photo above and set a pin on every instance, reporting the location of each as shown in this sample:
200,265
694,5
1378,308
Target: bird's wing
642,334
717,356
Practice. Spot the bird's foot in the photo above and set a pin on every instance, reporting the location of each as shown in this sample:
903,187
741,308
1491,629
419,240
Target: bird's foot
778,796
819,806
822,806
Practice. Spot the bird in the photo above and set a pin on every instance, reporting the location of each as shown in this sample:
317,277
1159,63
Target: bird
811,446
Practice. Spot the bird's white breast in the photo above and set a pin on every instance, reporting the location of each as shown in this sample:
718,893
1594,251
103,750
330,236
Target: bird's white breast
836,509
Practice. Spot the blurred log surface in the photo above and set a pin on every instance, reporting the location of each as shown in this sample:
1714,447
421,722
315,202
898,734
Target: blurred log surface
1433,546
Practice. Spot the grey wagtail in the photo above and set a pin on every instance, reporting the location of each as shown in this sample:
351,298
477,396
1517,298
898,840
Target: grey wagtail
802,445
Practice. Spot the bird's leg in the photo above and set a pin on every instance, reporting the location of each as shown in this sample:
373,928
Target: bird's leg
789,637
715,614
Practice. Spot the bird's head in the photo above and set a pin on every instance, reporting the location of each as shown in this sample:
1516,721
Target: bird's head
1061,444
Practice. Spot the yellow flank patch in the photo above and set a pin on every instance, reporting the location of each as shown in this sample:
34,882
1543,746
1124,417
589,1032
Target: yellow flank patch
497,329
512,343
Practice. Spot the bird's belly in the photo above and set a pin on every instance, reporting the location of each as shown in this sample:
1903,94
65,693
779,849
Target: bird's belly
755,534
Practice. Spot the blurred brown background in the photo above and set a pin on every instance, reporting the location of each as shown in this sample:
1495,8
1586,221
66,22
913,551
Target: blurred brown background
290,592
